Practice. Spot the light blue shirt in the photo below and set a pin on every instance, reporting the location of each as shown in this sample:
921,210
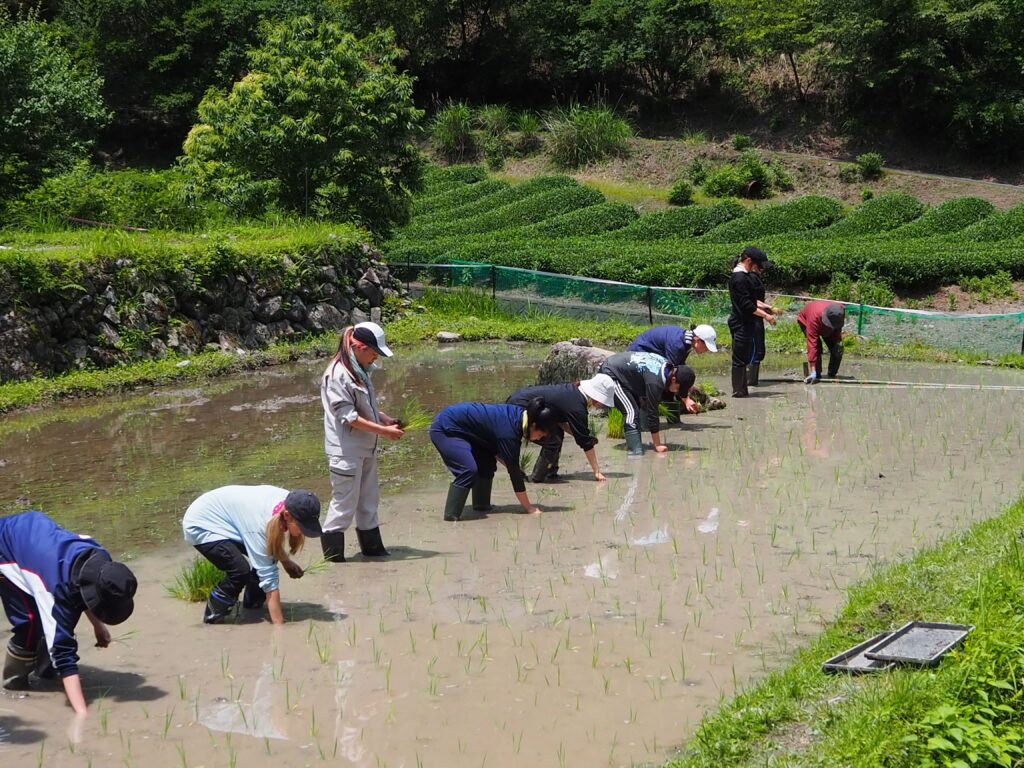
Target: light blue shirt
237,513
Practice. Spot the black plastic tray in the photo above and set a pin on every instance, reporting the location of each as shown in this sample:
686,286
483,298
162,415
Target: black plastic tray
920,642
853,660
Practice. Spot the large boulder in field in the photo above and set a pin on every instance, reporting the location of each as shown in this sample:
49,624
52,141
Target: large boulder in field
568,361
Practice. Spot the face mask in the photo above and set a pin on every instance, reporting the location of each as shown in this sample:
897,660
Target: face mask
355,364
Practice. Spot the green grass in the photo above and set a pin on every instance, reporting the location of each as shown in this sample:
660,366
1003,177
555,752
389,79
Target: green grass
966,710
195,580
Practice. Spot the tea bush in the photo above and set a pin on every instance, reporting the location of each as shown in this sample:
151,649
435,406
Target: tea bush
689,222
804,213
456,196
1002,225
680,193
509,194
594,219
879,214
951,216
870,165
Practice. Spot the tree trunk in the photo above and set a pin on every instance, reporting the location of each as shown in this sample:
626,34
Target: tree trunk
796,75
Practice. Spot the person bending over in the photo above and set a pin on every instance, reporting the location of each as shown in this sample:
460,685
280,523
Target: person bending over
822,321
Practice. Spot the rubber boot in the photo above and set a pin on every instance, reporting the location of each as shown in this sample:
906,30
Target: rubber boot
370,543
254,597
17,665
634,443
333,545
547,465
835,358
44,664
217,608
739,381
753,372
455,503
482,494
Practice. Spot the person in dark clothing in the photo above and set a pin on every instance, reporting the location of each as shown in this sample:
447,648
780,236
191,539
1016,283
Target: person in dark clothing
49,577
675,344
743,296
644,379
473,437
822,321
760,350
570,403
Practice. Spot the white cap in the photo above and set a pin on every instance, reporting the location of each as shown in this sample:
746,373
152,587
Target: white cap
372,335
600,389
707,334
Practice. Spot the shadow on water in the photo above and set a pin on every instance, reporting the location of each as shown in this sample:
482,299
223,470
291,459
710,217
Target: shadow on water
13,731
118,685
399,553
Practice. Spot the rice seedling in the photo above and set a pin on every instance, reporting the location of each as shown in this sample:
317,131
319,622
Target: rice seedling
195,580
317,566
414,415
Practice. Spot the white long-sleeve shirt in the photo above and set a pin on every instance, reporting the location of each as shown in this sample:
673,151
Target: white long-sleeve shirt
237,513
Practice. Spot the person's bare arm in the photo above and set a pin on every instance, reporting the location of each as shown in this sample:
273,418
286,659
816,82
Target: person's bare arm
76,698
274,606
528,507
389,431
592,458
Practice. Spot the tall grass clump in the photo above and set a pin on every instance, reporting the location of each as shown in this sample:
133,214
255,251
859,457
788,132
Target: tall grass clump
195,580
581,135
451,132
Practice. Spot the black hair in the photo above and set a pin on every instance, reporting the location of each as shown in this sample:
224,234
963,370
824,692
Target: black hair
541,416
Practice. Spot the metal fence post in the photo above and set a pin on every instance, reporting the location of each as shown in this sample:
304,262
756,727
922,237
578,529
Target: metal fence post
650,309
1022,341
860,320
494,283
408,273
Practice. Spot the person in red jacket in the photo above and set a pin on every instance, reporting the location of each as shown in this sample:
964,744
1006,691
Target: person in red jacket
822,321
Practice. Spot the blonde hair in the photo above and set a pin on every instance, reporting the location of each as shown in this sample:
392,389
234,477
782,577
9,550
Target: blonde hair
343,354
276,529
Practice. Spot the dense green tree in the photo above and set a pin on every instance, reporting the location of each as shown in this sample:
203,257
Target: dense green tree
649,42
320,125
50,109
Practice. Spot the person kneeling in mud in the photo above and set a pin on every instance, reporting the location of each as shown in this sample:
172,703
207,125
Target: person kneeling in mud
570,403
241,529
49,577
822,321
472,438
645,379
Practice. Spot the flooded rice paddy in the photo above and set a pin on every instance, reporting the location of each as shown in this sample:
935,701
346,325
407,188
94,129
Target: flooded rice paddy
595,634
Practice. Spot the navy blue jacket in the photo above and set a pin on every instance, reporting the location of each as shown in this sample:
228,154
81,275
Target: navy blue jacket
568,402
670,341
36,556
495,430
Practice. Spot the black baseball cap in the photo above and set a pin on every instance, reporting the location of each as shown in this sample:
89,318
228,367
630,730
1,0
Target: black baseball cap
756,255
372,335
304,507
107,587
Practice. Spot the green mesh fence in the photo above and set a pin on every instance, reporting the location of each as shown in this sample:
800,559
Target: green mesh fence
994,334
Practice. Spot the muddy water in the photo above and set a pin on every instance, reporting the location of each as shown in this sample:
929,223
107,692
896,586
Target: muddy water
597,633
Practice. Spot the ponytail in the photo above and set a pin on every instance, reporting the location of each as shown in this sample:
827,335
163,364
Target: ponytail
343,354
539,415
276,529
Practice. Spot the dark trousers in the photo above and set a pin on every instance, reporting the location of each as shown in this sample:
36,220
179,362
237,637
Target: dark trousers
550,453
759,347
464,460
239,574
835,353
744,347
23,613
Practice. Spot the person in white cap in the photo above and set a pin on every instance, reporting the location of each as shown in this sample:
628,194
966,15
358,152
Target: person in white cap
570,403
352,426
675,344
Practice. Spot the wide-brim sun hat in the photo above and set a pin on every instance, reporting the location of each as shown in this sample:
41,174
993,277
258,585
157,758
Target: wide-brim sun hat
600,389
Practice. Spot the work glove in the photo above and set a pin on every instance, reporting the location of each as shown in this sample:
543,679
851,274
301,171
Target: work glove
813,378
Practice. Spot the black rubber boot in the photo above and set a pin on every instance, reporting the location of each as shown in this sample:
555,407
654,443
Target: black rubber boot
753,372
455,503
254,597
44,664
835,358
17,665
739,381
546,467
217,608
333,545
482,494
634,443
370,543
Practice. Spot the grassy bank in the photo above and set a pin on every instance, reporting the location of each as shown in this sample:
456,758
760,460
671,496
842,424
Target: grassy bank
474,316
966,712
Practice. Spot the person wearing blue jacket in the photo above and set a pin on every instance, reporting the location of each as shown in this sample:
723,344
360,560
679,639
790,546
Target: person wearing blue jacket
472,438
675,344
49,577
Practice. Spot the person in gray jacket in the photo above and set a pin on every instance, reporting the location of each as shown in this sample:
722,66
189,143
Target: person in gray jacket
352,426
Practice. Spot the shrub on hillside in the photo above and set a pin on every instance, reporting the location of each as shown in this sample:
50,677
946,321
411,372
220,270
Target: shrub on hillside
493,119
870,165
879,214
680,193
804,213
951,216
150,199
995,286
999,226
740,141
454,197
749,176
687,222
451,132
581,135
592,220
527,138
438,178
